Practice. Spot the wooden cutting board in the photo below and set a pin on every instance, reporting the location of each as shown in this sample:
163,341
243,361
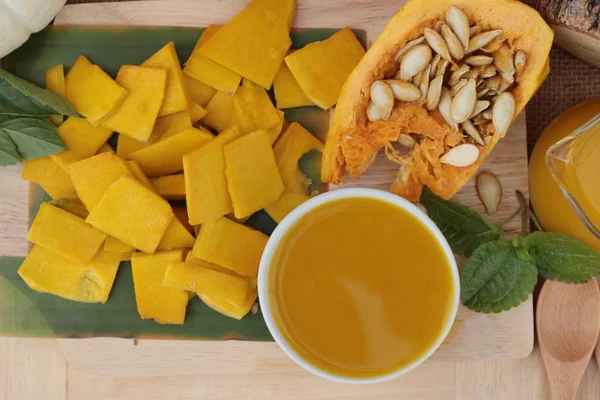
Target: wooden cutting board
474,337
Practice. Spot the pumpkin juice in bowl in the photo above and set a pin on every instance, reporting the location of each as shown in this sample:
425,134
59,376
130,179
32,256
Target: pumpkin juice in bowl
358,285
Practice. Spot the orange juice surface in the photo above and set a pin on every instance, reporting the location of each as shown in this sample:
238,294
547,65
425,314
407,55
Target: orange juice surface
360,288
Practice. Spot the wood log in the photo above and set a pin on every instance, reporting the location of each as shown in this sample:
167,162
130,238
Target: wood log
577,26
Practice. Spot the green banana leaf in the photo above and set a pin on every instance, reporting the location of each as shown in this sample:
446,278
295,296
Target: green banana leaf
24,312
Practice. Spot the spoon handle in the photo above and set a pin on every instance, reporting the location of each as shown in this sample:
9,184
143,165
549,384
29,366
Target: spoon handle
565,378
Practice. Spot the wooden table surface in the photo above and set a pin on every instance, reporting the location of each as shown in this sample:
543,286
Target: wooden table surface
38,369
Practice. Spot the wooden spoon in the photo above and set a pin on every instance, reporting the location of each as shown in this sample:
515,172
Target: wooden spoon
568,322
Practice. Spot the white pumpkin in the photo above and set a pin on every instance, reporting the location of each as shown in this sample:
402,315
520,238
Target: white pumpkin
20,18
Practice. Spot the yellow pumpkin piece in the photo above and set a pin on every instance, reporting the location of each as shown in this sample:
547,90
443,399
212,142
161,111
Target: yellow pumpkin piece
194,278
255,41
65,158
175,98
105,148
230,245
50,176
81,138
253,109
154,300
48,272
321,68
165,156
138,113
65,233
196,112
127,145
209,72
138,174
205,181
220,112
92,91
132,213
276,130
232,217
114,245
171,187
55,82
74,206
176,237
288,93
93,176
182,214
200,93
223,307
103,256
285,205
252,176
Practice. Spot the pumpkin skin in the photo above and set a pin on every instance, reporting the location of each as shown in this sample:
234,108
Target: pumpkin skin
353,140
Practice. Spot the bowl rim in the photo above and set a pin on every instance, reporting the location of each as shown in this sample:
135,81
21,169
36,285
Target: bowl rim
328,197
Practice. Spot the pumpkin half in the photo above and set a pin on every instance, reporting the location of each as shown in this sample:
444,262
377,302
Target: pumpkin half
354,138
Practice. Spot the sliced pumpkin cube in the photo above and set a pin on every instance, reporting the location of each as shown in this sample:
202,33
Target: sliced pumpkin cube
114,245
321,68
93,176
65,233
171,124
81,138
137,115
182,214
252,176
276,130
46,271
230,245
205,181
254,43
103,256
171,187
208,71
253,109
138,174
74,206
50,176
200,93
288,93
176,237
196,112
220,112
55,82
132,213
105,148
285,205
194,278
92,91
223,307
165,156
175,98
154,300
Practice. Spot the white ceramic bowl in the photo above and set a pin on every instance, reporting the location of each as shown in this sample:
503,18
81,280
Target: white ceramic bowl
290,220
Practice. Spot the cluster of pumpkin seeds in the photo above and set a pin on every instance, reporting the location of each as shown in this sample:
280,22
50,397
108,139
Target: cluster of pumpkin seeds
454,68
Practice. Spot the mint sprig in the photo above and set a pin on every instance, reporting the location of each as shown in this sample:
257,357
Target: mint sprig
500,275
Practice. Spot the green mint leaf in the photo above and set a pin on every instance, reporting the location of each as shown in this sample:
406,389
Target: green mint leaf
33,137
496,279
464,228
561,258
21,98
8,150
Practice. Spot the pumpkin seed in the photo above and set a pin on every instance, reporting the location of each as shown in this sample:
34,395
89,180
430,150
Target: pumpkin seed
463,103
479,120
372,113
397,75
437,43
459,85
520,60
456,75
487,114
480,106
503,113
474,30
459,23
461,156
415,61
482,92
438,26
473,73
508,77
424,84
494,83
434,65
503,60
489,191
417,78
478,61
455,46
470,130
487,140
383,98
504,84
404,91
488,72
481,40
402,52
435,90
444,108
406,140
442,65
